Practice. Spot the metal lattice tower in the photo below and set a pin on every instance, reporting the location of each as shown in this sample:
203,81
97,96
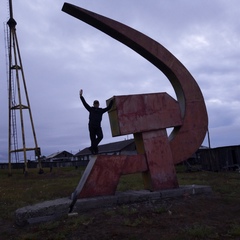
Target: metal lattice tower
18,101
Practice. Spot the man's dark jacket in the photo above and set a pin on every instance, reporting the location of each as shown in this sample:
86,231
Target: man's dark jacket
95,114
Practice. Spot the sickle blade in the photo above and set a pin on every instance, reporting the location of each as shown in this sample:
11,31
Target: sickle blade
186,139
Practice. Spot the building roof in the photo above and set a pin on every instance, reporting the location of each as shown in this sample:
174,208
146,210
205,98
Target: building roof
109,147
57,154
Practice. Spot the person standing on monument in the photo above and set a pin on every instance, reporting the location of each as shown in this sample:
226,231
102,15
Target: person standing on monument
94,124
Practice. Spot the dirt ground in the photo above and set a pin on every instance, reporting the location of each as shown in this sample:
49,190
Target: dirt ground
189,217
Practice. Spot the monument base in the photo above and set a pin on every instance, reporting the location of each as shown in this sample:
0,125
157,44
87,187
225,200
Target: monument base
55,209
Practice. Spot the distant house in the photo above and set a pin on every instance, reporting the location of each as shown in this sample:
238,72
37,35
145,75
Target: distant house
125,147
60,157
220,158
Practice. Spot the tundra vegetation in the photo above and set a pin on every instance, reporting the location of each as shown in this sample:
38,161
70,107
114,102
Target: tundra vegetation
214,216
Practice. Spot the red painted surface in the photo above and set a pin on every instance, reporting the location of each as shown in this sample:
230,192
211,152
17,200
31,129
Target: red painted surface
144,112
150,115
106,172
160,161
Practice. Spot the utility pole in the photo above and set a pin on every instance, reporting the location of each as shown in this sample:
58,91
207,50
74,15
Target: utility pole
18,101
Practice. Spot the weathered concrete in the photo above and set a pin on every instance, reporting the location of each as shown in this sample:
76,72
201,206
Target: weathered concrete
55,209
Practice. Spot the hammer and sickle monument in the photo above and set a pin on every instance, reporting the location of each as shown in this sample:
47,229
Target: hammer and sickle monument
146,116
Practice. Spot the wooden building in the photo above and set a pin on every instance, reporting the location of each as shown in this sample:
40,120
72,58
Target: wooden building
221,158
125,147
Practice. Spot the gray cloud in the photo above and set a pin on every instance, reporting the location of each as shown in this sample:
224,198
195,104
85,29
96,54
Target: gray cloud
62,54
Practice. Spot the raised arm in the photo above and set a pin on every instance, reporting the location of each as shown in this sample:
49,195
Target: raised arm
83,100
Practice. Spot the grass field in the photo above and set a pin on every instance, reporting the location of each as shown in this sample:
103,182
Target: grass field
124,222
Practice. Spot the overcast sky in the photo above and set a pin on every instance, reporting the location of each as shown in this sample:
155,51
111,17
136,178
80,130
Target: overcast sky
61,54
